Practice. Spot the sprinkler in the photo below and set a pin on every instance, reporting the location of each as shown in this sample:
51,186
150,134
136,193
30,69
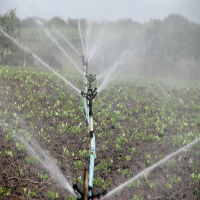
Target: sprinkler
88,95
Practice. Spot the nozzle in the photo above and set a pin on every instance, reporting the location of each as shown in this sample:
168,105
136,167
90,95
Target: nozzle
83,94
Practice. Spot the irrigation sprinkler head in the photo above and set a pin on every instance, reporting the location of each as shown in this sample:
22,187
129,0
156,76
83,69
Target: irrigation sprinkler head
90,95
90,92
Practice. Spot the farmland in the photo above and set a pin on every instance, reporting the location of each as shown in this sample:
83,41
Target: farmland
137,123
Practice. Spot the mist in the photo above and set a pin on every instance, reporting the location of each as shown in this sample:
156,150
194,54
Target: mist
160,48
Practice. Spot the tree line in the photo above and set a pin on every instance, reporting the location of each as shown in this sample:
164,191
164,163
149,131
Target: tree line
159,47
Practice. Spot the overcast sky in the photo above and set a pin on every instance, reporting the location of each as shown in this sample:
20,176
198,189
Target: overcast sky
138,10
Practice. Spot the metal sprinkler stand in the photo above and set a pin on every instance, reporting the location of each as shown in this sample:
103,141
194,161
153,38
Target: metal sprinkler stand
87,193
89,94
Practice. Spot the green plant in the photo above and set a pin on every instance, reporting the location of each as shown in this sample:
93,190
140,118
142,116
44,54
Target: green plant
119,141
104,166
21,174
29,193
196,174
6,152
124,172
150,184
100,182
79,180
32,160
128,158
132,150
42,176
169,186
20,146
5,170
175,179
84,153
5,191
78,164
197,191
66,152
149,160
53,195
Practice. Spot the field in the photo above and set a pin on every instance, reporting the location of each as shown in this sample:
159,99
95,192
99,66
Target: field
137,123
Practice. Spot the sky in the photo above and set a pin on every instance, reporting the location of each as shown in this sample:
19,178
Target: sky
138,10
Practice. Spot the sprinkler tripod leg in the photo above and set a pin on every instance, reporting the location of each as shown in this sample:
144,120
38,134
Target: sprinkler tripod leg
86,184
83,195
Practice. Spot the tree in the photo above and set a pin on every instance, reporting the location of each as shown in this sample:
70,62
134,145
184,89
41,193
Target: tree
58,22
11,25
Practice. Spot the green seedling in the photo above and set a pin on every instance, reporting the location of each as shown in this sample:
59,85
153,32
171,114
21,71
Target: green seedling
79,180
135,197
125,172
100,182
20,146
42,176
79,165
53,195
104,166
32,160
5,191
6,152
21,174
169,186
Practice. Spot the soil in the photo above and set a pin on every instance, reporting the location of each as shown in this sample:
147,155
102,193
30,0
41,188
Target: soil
10,166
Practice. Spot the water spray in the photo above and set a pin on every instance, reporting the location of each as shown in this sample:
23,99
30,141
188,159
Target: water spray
150,168
38,59
66,40
59,46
